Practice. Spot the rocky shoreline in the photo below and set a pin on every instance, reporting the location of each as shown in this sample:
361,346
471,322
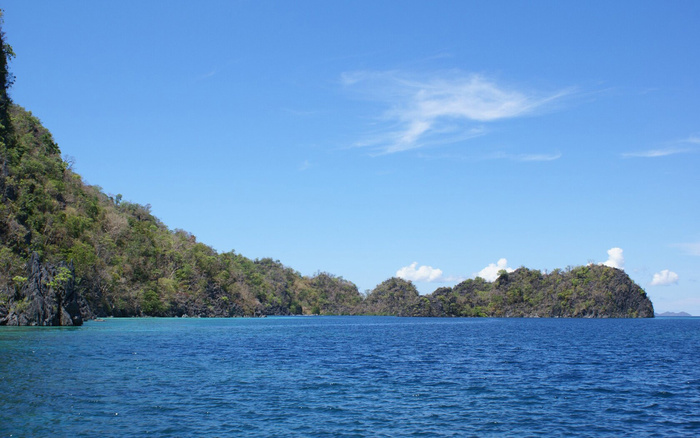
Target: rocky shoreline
47,297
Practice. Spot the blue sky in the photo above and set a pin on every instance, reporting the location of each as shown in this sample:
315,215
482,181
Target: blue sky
368,139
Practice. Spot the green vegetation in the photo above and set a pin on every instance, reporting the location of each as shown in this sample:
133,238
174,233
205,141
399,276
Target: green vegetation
584,291
392,297
127,262
63,276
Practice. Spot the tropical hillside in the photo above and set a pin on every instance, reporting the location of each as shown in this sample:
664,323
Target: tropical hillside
582,292
70,252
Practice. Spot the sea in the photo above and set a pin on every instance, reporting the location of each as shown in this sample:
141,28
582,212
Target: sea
352,376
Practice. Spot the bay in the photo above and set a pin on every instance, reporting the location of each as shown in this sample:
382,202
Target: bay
352,377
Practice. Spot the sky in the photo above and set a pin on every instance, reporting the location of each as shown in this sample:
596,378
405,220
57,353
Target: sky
435,141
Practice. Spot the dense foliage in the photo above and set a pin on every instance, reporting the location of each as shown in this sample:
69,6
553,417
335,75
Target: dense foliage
127,262
583,291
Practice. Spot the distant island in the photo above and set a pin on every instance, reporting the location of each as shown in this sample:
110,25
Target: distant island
673,314
69,252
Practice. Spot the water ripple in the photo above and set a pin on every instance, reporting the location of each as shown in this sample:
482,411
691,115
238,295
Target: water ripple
352,377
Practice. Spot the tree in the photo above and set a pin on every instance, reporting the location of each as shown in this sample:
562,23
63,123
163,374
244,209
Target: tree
6,81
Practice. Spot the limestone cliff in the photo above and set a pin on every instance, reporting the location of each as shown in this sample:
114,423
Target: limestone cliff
47,297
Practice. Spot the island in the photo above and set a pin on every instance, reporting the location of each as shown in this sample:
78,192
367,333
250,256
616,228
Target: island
69,253
674,314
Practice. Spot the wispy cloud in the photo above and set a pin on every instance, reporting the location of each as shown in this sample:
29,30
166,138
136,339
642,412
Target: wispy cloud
692,248
305,165
440,108
207,75
301,113
675,147
655,153
525,157
664,278
492,156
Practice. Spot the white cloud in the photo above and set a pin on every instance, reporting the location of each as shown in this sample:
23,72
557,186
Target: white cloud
490,273
615,258
442,108
413,272
664,278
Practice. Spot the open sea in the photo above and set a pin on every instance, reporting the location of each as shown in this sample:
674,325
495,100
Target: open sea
352,377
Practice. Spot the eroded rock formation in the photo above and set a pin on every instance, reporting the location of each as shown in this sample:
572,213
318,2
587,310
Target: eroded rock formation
47,297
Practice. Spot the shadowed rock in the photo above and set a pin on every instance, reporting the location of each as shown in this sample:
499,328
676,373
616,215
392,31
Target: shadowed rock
48,297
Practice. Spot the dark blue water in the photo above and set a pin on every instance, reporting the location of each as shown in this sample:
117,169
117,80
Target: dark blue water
352,376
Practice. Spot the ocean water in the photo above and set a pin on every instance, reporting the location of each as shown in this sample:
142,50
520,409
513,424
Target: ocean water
352,377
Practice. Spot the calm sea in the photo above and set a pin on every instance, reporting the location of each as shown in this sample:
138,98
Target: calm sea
352,376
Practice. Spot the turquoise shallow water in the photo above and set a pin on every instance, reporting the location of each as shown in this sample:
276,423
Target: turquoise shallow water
352,376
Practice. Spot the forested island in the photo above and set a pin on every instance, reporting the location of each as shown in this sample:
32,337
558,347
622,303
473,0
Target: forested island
69,252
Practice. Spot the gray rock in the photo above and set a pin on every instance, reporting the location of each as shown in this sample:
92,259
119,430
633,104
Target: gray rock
47,298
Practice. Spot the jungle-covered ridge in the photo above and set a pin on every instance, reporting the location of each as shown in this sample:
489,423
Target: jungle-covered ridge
62,240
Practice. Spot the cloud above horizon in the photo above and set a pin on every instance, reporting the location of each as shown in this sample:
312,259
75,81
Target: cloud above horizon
413,272
615,258
439,109
490,273
690,248
664,278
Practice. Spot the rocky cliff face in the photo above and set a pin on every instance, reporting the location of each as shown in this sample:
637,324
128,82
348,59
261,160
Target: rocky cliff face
47,297
625,299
